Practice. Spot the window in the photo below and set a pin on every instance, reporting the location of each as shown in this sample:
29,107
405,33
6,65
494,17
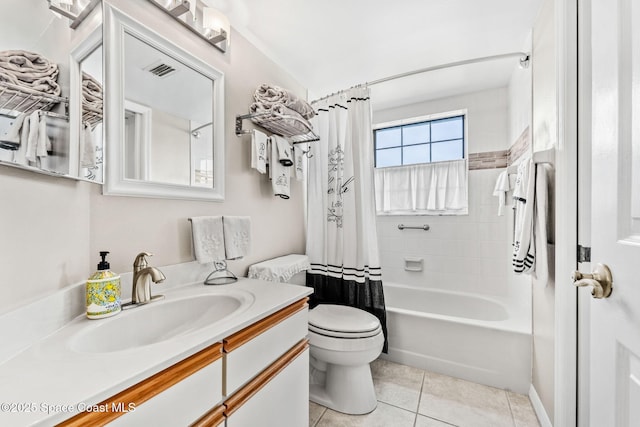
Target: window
427,141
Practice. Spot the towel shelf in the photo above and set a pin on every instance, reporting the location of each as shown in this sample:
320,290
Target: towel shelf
14,101
277,123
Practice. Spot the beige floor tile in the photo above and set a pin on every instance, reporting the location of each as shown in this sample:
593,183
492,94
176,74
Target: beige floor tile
383,416
315,412
464,403
423,421
398,385
523,413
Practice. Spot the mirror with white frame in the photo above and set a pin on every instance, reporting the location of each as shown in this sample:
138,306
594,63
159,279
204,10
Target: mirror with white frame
87,110
164,118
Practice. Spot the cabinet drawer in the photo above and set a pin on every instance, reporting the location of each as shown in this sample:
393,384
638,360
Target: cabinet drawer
250,350
176,396
278,397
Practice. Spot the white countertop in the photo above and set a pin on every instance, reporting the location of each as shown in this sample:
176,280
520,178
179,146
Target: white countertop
49,381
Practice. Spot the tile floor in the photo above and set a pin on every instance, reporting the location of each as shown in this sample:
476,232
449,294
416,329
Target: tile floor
411,397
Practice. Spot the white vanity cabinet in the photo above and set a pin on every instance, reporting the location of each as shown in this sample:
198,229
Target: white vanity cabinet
267,371
175,396
257,376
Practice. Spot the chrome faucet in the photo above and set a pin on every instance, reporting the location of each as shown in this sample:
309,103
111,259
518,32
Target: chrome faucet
143,275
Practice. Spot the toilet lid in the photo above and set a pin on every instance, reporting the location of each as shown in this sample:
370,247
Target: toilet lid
343,321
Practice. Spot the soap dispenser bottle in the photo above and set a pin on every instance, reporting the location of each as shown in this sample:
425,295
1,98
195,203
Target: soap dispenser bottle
103,291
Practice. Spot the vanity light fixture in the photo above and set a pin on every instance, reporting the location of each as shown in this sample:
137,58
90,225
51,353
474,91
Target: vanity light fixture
74,10
207,22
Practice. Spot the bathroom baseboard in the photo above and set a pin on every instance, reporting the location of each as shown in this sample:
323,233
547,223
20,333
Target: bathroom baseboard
538,408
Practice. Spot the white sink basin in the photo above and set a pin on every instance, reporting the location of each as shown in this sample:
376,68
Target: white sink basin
157,321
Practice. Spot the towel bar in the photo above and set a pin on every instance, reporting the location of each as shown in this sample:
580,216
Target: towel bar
424,227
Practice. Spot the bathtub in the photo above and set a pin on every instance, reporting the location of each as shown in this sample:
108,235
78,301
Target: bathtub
481,339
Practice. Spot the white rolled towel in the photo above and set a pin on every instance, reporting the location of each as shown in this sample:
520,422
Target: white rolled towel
208,238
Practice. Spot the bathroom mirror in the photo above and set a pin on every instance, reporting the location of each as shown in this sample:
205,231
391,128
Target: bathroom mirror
164,121
33,36
87,109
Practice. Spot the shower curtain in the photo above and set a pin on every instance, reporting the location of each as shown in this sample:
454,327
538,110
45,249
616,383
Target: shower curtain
342,243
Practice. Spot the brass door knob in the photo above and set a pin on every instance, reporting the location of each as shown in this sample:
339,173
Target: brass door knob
600,279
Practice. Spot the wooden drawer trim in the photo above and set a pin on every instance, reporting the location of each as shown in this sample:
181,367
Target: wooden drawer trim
234,402
236,340
148,388
213,418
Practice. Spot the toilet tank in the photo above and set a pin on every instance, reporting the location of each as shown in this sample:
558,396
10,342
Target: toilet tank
285,269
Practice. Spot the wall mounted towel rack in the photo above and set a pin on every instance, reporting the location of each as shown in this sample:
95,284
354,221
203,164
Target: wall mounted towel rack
278,124
14,100
424,227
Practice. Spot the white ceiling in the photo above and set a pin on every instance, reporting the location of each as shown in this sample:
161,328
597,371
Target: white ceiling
329,45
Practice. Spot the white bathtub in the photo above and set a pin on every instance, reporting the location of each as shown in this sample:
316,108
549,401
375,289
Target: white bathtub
476,338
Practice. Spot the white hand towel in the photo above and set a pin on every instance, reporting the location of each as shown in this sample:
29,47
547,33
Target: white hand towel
524,251
44,143
237,236
500,191
208,238
280,174
87,148
10,139
259,151
543,226
284,151
20,156
32,140
298,162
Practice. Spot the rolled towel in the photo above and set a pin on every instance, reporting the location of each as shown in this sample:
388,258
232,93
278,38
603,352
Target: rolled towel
271,94
280,174
29,70
10,139
237,236
279,119
208,238
259,151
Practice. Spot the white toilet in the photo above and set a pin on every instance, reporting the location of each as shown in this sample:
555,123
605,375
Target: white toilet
343,341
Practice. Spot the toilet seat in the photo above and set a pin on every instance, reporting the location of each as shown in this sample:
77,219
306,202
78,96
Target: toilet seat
339,321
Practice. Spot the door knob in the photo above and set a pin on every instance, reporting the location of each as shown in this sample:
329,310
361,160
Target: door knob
599,279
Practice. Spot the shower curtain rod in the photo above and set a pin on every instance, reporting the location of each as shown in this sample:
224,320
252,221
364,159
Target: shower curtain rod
524,61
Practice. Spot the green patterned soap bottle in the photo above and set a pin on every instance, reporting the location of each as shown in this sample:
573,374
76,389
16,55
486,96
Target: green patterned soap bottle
103,291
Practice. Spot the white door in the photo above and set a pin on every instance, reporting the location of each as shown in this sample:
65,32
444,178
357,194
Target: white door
615,321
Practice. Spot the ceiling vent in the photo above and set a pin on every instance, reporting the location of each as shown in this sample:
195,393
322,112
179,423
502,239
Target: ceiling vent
160,69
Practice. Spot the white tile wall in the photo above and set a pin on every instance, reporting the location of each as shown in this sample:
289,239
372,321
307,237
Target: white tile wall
470,253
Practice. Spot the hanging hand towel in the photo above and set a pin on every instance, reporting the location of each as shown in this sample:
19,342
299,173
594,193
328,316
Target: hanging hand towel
10,140
284,151
87,148
543,226
500,191
524,252
237,236
32,139
280,174
259,151
298,162
44,143
208,238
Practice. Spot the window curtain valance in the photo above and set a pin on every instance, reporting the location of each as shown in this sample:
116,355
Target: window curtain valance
423,189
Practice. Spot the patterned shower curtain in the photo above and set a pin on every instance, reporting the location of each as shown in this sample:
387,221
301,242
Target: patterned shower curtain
342,243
